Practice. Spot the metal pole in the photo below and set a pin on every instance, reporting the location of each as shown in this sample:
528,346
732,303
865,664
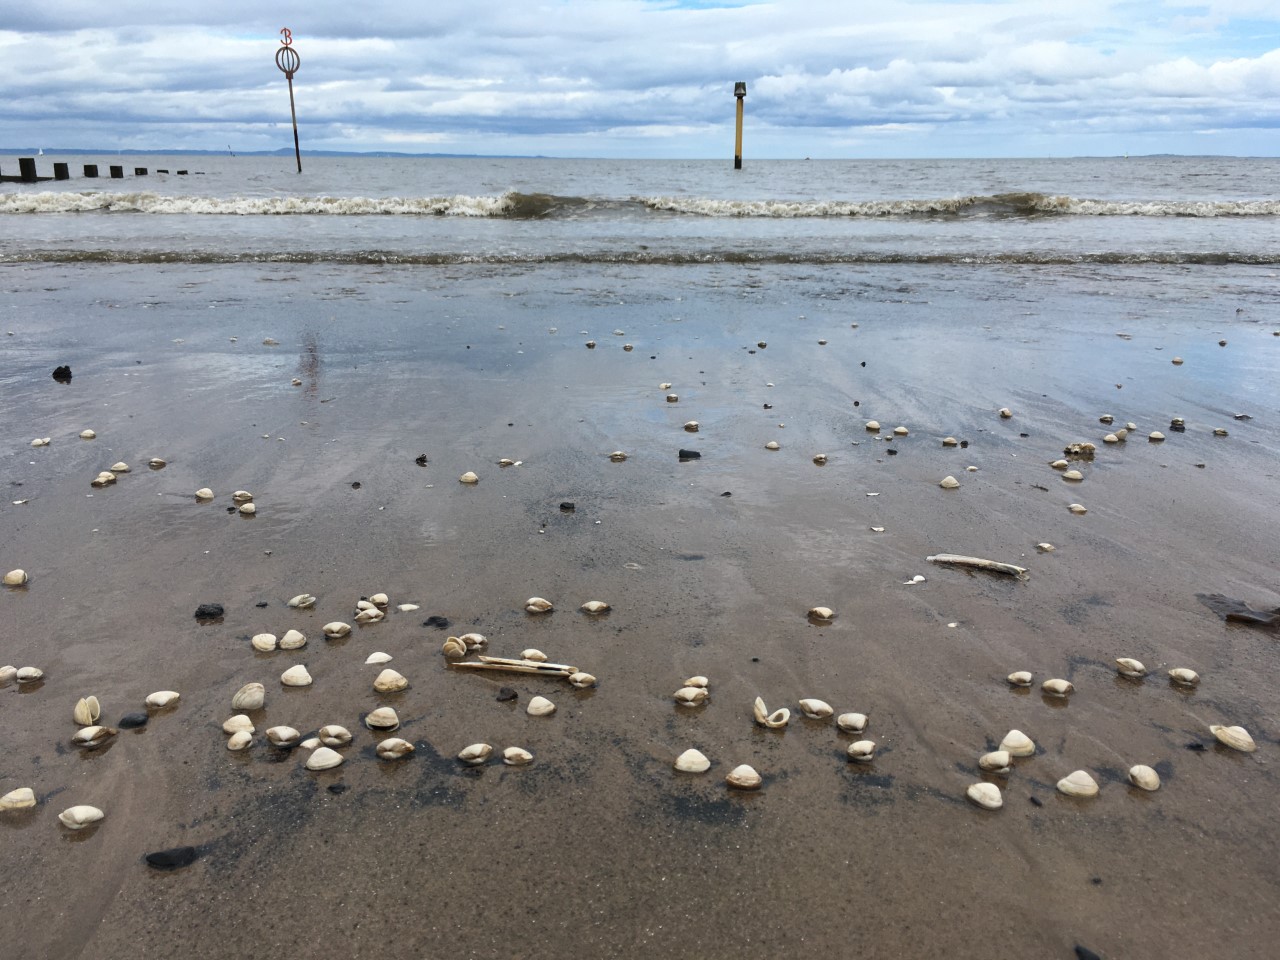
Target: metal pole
740,92
297,150
288,61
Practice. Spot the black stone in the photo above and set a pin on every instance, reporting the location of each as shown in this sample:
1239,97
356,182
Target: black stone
131,720
260,604
336,788
1096,881
768,406
209,611
1195,747
864,363
1035,801
440,623
727,493
507,693
171,859
891,452
689,454
1024,435
1084,953
62,374
857,403
356,485
567,506
964,444
420,459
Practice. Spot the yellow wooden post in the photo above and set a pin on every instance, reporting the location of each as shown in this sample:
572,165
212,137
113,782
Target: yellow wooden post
740,92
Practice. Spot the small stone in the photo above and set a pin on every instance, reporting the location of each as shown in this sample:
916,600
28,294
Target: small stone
209,611
507,694
131,721
171,859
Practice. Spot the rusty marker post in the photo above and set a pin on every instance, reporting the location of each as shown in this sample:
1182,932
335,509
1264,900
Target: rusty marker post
288,61
739,91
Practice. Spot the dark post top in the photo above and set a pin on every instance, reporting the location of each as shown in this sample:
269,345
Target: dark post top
740,88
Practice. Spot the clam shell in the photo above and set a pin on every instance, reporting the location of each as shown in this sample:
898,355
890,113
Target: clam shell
41,441
393,748
1106,418
673,398
283,736
249,697
816,709
538,605
873,426
469,477
237,723
377,658
156,463
516,756
383,718
692,426
204,493
264,642
1078,784
997,761
852,722
1237,738
454,648
371,615
322,758
692,761
618,456
16,578
248,509
1155,436
310,743
336,629
162,698
697,682
1057,687
379,599
950,441
861,751
303,601
407,607
86,712
985,795
1005,413
901,431
744,777
534,654
390,681
595,607
1131,668
473,640
1060,464
476,754
822,613
292,640
93,737
779,718
949,482
1073,475
1184,677
296,676
29,674
1018,744
819,458
19,799
773,445
334,735
80,816
1111,438
691,696
1020,678
582,680
7,673
242,496
1143,777
540,707
240,740
87,434
1078,509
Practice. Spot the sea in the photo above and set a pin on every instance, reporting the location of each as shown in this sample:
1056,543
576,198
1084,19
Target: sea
513,211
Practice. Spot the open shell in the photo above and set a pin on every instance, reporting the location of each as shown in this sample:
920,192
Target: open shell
87,711
776,719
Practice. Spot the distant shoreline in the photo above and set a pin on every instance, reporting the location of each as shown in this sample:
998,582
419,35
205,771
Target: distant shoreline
393,154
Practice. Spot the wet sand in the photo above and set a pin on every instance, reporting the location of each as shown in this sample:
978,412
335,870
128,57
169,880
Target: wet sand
599,849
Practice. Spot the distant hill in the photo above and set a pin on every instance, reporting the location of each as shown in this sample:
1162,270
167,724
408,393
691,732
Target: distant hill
282,152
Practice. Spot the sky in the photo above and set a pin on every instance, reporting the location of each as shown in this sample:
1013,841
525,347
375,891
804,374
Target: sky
649,78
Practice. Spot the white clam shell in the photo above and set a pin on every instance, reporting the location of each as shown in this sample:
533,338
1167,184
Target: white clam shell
901,431
156,463
997,761
1143,777
310,743
7,673
534,654
476,754
80,816
692,761
1005,413
453,648
1078,784
595,607
407,607
1237,738
249,697
540,707
93,737
538,605
390,681
379,599
237,724
162,698
393,748
950,441
948,482
1018,744
323,758
873,425
334,735
469,477
1184,676
773,445
691,696
861,751
87,434
29,674
1077,508
283,736
474,640
744,777
383,718
41,441
1075,475
821,613
240,740
698,681
1131,668
86,711
248,509
378,658
370,615
1020,678
293,640
16,578
204,493
582,680
1057,687
296,676
516,756
852,722
264,642
618,456
303,601
242,496
816,709
985,795
336,629
19,799
778,718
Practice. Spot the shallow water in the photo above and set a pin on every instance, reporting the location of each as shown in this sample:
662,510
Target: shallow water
599,848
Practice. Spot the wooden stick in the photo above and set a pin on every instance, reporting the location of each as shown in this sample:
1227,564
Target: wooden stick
517,666
978,563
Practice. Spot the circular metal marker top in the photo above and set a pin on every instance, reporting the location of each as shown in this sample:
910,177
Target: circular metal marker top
288,61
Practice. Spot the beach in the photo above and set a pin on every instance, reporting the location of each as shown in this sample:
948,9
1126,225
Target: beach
599,848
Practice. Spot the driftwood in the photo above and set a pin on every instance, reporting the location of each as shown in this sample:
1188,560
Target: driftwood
977,563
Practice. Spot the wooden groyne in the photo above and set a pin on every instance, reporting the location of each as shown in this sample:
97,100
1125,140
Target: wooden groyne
27,172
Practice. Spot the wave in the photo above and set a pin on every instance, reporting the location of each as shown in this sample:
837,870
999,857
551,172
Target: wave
528,206
644,257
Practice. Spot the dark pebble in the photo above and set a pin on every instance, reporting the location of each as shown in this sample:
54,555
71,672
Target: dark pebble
727,493
761,344
864,363
420,459
171,859
1084,953
689,454
1035,801
507,693
440,623
567,506
356,485
209,611
131,720
755,659
336,788
964,444
891,452
260,604
231,509
1196,747
1096,881
857,403
1024,435
768,406
62,374
750,351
